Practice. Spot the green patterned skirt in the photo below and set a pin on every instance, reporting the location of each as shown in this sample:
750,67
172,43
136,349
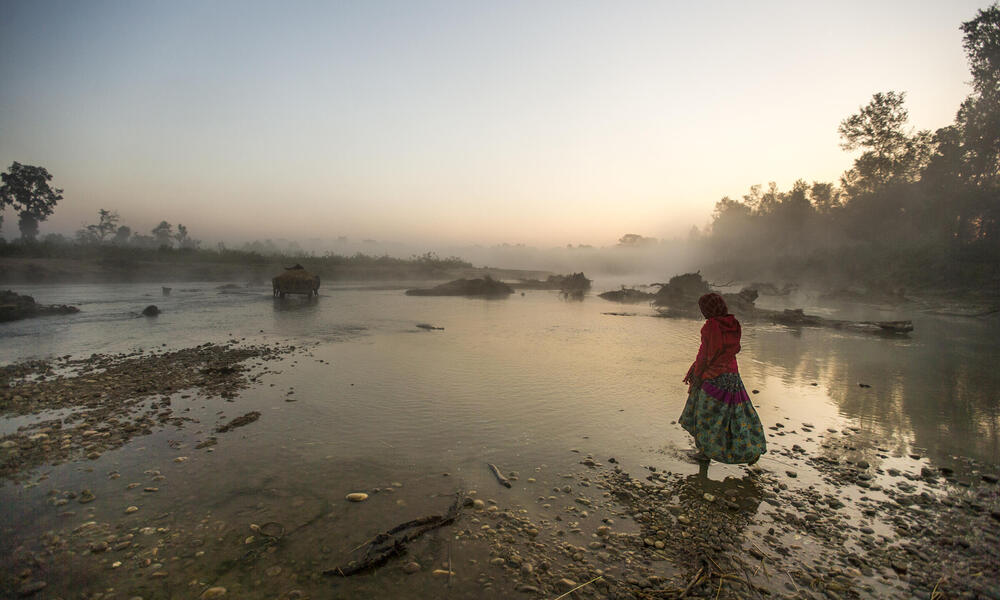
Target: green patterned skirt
723,421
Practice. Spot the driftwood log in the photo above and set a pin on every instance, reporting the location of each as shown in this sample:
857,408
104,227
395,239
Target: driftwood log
496,471
393,542
798,317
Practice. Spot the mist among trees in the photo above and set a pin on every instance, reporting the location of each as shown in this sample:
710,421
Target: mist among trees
917,207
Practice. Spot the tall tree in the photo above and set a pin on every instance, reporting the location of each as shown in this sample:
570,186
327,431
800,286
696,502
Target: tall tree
182,236
890,153
979,116
107,224
26,189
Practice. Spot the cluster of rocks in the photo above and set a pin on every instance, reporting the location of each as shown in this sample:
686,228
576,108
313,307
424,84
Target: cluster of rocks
14,306
109,399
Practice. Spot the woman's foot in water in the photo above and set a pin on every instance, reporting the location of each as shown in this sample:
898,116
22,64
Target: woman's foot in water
698,456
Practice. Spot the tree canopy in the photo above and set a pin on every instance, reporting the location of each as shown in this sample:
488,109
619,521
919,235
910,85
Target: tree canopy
26,189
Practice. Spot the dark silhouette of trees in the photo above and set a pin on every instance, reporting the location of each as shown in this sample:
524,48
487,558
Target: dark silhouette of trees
26,189
914,206
122,235
107,224
163,234
634,240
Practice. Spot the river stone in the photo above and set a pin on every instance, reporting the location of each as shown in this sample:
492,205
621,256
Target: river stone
213,592
357,496
411,567
31,588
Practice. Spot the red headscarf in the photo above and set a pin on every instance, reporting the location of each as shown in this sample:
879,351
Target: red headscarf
712,305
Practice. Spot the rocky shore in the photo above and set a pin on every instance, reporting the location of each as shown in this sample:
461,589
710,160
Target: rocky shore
103,401
827,513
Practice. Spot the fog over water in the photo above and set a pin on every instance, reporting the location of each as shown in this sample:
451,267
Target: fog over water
304,300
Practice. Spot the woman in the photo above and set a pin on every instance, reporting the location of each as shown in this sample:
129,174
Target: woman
718,412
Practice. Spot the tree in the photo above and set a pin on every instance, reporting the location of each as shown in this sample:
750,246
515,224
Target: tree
26,189
163,234
979,116
890,154
122,235
28,225
824,197
107,224
634,240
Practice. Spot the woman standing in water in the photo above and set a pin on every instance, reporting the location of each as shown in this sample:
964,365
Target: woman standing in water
718,412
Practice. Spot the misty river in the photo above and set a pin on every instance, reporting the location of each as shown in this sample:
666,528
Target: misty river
530,383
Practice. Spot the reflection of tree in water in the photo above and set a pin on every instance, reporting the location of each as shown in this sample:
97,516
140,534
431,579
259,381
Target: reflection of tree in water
937,392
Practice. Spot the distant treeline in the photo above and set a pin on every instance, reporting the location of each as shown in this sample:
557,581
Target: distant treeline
49,247
917,207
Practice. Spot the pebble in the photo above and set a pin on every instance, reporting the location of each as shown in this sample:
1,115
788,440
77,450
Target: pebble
411,567
565,584
131,509
791,474
357,497
213,592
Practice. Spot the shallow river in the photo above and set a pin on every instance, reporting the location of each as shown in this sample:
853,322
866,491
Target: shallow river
520,382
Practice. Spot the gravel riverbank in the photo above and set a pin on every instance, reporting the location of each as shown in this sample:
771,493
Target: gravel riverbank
827,513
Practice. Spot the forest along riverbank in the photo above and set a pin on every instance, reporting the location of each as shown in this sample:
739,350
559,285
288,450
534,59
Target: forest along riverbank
812,519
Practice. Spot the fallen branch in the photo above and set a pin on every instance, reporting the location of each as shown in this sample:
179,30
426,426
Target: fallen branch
697,578
393,542
496,471
246,419
578,587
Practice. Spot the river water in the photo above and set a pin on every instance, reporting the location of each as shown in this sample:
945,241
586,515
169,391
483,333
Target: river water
522,382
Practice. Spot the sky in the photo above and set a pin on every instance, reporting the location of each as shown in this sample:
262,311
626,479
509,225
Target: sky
465,122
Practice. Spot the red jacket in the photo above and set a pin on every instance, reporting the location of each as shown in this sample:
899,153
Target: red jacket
720,341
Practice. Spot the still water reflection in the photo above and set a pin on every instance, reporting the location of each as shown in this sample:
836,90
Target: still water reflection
522,382
533,373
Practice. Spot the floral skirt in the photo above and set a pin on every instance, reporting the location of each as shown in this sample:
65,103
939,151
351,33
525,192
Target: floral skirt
723,421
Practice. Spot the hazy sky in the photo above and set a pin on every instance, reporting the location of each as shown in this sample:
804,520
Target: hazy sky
539,122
